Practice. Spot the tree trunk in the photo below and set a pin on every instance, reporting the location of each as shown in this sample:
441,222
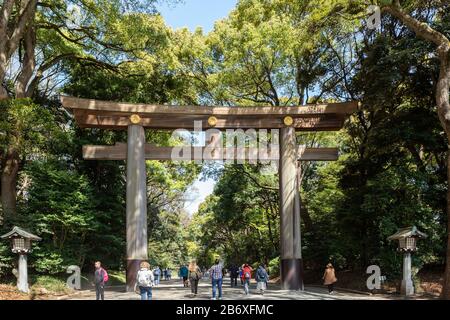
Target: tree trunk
5,14
9,182
12,31
446,286
28,64
443,104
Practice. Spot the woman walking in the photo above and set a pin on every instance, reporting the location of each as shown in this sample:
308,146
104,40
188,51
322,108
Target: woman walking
145,281
194,276
246,277
329,278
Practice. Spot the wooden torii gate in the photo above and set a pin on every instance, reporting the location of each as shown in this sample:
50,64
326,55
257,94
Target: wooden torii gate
136,117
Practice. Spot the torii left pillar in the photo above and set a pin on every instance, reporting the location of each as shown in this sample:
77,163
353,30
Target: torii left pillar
137,241
291,251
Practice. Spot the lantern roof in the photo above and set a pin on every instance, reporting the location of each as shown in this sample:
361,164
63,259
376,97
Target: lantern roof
19,232
408,232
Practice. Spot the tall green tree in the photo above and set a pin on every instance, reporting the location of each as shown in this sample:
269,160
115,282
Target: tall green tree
427,20
38,37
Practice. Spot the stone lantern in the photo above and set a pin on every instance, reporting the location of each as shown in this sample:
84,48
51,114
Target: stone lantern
407,243
21,244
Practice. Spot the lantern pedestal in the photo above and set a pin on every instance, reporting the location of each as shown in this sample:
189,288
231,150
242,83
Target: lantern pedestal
22,280
407,243
407,287
21,244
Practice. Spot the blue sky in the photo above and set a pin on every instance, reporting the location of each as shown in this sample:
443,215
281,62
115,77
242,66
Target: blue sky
197,194
194,13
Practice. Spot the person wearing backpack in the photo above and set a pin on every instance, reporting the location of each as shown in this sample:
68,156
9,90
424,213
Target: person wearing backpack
246,277
100,278
145,281
194,276
184,274
262,278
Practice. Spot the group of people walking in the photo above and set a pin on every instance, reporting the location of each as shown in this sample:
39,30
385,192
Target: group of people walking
192,274
244,273
147,278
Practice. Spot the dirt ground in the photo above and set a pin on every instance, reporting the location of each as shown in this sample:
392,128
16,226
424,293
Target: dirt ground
8,292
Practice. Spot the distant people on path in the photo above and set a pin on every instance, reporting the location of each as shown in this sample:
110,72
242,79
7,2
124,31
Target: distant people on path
169,274
216,278
329,278
184,273
234,274
195,275
205,273
262,278
240,276
157,274
165,274
246,277
100,278
145,280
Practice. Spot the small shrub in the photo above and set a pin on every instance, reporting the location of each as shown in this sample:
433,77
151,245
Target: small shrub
49,285
274,267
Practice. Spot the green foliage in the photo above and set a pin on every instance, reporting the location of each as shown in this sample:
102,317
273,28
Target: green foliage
60,207
27,127
116,278
238,222
274,267
6,259
52,284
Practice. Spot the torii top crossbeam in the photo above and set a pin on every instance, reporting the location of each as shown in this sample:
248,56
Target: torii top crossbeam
114,115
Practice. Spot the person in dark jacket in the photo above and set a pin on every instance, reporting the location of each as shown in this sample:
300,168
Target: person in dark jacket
262,278
234,274
184,274
99,281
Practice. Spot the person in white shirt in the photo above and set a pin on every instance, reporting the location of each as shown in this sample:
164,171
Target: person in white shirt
145,281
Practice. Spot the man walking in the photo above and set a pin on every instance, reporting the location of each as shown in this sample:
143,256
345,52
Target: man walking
216,278
262,278
100,277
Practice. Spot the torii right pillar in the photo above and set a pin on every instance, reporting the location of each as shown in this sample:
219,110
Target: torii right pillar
291,252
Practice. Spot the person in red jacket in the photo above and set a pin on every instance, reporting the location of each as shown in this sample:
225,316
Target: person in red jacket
246,276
